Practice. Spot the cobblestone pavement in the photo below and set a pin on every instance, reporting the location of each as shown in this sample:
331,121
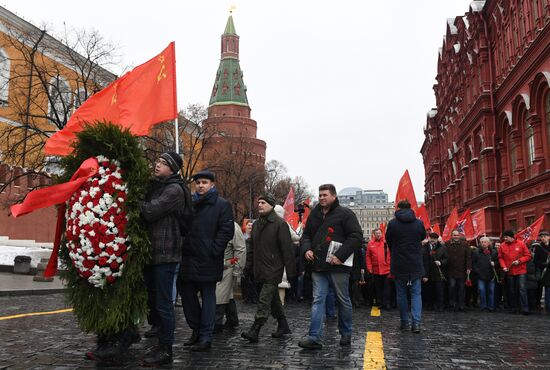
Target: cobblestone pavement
471,340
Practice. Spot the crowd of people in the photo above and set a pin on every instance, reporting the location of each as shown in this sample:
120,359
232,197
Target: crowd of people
200,254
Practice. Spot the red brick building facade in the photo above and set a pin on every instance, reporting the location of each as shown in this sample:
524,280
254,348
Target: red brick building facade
487,142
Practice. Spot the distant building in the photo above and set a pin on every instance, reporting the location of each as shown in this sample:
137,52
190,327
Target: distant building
357,197
370,206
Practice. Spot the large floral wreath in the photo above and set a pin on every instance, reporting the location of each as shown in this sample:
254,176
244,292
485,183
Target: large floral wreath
106,246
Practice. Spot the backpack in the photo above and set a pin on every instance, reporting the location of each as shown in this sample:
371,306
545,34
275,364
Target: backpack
186,215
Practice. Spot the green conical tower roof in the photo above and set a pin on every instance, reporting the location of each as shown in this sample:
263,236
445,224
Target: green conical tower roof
230,27
229,87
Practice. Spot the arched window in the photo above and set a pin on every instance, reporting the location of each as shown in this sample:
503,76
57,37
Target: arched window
4,78
60,99
530,141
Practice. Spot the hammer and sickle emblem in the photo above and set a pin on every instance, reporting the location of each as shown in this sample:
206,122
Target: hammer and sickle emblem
161,73
114,98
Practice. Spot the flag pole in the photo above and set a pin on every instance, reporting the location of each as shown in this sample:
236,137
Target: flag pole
177,136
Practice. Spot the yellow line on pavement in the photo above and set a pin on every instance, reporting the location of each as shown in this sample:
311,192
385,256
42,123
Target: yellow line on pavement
21,315
375,311
373,357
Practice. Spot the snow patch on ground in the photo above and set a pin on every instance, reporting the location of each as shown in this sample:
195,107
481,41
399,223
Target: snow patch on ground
8,253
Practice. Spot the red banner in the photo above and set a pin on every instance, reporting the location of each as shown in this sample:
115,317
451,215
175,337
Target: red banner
422,215
436,229
531,232
290,216
465,226
307,211
478,220
405,191
138,100
450,225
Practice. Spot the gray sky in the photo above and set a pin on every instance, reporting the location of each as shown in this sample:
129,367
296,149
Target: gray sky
340,89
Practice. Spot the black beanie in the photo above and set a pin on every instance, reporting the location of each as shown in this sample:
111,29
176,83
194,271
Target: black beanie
509,233
268,198
174,161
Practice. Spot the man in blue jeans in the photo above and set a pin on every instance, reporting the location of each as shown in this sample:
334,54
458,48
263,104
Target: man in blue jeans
404,235
330,226
161,210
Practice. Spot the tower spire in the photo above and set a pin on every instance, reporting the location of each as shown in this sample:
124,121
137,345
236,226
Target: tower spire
229,86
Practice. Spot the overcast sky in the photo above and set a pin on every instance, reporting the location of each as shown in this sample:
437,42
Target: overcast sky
340,89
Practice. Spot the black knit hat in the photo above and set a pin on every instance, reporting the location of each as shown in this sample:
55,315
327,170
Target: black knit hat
509,233
268,198
204,174
174,161
544,233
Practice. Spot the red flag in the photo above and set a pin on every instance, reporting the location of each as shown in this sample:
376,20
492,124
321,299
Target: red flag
290,216
436,229
405,191
478,220
422,215
450,225
383,228
465,226
531,232
138,100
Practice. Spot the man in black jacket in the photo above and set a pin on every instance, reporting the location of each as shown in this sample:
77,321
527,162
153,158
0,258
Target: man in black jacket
435,263
335,229
270,252
203,259
404,235
161,211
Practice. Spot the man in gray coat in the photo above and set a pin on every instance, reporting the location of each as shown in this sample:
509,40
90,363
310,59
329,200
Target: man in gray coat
234,262
269,254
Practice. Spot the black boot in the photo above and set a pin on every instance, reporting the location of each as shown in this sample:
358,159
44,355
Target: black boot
282,328
252,333
162,356
102,342
112,354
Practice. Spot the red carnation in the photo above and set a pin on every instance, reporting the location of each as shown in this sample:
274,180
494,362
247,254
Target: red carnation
330,230
110,250
102,261
114,265
88,264
110,279
105,164
328,239
85,274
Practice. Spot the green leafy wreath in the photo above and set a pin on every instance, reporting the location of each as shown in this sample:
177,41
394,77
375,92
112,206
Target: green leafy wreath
112,308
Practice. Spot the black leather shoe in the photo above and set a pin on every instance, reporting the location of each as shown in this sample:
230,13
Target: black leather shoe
310,344
404,326
194,338
415,327
345,340
161,356
201,347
